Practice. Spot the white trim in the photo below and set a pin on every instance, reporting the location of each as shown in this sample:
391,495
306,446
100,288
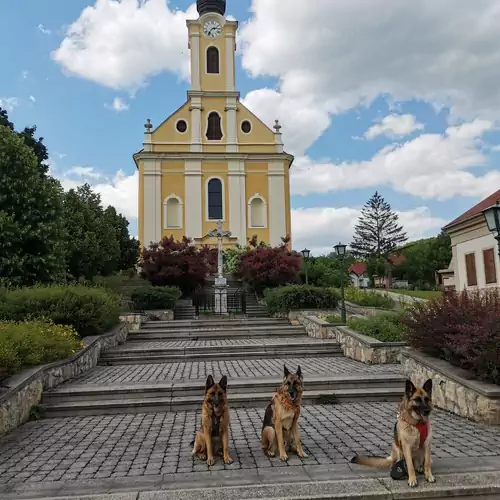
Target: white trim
196,138
165,212
152,205
277,213
236,186
230,61
232,125
207,219
187,126
251,127
206,60
193,199
257,196
210,141
194,44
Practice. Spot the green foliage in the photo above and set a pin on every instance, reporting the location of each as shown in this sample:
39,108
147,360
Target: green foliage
335,319
383,327
368,298
155,297
232,258
90,311
325,271
288,298
35,343
421,294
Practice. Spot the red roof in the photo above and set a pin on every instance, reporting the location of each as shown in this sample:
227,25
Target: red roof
358,268
476,209
397,260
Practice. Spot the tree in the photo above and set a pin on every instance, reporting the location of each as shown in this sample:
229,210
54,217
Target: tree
377,233
31,215
324,271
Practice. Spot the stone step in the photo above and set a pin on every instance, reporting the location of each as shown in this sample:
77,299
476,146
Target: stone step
213,323
228,330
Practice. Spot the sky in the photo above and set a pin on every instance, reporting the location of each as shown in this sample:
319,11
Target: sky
397,97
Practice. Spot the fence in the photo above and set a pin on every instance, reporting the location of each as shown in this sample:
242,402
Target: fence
220,302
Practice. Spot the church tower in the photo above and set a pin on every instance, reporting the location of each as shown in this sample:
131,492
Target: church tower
213,159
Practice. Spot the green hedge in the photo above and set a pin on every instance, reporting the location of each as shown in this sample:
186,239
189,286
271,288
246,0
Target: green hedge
368,299
35,343
89,310
157,297
383,327
288,298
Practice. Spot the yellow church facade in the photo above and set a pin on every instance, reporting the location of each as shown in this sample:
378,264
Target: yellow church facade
213,159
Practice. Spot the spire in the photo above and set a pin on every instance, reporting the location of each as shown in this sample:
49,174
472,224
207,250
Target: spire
217,6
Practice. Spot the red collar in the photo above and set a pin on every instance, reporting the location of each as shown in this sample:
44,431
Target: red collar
423,428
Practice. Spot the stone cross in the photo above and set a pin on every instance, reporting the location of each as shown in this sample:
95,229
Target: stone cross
220,235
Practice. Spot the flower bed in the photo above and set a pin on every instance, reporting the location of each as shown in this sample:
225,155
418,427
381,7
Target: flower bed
284,299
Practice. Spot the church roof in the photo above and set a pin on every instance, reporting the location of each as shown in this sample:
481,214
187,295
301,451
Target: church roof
204,6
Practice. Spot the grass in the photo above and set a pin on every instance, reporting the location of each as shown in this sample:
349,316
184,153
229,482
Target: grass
421,294
383,327
335,319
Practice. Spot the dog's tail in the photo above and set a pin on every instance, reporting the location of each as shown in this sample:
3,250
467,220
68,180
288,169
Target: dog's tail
378,462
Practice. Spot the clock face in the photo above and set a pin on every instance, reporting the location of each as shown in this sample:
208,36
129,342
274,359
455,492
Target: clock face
212,29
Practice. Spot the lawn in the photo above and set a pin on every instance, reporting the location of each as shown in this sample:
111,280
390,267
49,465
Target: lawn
421,294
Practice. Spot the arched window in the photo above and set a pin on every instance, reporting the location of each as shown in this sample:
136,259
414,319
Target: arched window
172,212
257,212
214,128
212,60
215,197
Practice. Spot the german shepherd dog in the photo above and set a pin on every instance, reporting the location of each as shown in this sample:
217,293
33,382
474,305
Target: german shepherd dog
214,423
412,435
281,420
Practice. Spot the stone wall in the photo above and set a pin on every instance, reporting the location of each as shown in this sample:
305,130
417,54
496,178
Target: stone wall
160,315
453,390
24,390
357,310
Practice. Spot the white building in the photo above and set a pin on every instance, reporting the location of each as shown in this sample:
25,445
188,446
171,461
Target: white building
358,275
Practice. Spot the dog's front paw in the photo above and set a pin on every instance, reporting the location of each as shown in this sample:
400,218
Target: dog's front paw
284,457
210,461
429,477
412,482
271,454
228,460
301,454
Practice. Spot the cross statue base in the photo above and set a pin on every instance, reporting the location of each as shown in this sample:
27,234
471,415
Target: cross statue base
220,291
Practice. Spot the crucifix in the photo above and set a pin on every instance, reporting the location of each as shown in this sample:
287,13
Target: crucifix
220,235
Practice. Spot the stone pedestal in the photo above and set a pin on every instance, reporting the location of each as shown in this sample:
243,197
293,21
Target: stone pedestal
220,291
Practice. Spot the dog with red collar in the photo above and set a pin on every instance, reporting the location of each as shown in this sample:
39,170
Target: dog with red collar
411,448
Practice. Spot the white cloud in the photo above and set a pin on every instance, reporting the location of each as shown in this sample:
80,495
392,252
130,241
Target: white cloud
429,166
32,98
44,30
321,228
25,74
121,44
9,103
496,148
394,126
118,105
84,172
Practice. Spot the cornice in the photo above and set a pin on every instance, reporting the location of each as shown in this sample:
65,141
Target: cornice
188,155
213,93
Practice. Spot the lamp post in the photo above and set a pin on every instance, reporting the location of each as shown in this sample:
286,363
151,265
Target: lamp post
492,217
306,253
340,251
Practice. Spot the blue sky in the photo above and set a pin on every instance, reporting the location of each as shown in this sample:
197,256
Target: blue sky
329,71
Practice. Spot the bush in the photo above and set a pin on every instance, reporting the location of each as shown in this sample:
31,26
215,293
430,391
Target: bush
35,343
293,297
383,327
368,299
90,311
463,329
155,297
335,319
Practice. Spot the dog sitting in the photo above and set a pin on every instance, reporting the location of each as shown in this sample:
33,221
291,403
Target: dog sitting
412,435
214,423
281,420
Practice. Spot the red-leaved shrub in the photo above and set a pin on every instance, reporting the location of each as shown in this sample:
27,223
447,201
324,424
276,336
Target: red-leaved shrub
178,263
266,267
462,328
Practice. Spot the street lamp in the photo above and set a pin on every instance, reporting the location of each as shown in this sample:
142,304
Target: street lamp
306,253
340,251
492,217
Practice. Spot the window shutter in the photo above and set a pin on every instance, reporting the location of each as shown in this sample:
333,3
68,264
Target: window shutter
490,271
470,266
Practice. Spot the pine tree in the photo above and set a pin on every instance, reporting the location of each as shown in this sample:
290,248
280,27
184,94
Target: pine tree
377,233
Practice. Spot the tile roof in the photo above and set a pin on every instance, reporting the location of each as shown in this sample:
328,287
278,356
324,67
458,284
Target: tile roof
358,268
476,209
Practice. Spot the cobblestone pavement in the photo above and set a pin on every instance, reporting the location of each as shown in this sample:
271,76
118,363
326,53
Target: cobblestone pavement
238,368
270,341
151,444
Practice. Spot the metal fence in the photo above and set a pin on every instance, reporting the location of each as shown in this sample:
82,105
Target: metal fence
220,302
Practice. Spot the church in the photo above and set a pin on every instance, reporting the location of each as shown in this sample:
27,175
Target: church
213,159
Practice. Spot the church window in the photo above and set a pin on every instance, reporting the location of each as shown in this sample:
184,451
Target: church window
246,127
257,212
172,212
215,199
213,60
181,126
214,128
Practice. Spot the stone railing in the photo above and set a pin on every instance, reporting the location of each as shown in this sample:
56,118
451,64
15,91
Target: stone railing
24,390
354,345
452,390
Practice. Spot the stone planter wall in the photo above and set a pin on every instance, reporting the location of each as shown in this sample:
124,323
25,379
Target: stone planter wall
452,390
357,310
24,389
160,315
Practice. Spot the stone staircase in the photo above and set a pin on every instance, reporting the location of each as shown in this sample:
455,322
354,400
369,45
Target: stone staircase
244,345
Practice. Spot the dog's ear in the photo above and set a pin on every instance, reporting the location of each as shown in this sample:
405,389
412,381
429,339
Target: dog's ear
428,387
285,371
209,383
409,389
223,383
299,372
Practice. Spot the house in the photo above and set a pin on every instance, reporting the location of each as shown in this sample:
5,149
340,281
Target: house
475,263
389,281
358,275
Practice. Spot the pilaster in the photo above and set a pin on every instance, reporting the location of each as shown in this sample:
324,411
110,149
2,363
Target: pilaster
194,44
276,202
231,120
230,53
196,140
152,202
237,207
193,199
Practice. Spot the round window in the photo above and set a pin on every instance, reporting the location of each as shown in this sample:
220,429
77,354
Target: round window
181,126
246,127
